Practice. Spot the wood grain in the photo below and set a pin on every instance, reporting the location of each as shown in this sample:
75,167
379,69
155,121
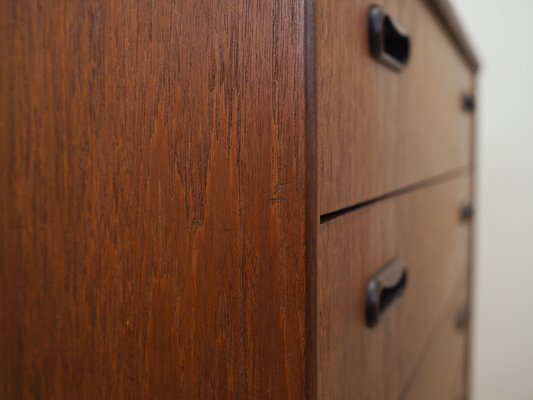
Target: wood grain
440,374
152,205
159,197
379,130
423,229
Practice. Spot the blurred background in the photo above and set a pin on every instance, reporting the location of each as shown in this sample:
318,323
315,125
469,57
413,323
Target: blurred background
502,32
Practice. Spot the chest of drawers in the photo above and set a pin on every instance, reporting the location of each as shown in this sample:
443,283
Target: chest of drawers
394,157
208,199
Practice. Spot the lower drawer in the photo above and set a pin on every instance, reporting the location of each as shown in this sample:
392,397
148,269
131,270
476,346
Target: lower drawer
440,375
424,230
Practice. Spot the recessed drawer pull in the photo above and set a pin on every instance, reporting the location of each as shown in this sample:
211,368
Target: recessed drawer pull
467,211
462,319
383,288
389,42
469,103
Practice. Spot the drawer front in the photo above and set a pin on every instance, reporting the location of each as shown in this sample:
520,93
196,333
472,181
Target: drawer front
381,130
441,373
423,229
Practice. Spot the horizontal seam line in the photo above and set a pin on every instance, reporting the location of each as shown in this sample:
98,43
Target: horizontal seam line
442,178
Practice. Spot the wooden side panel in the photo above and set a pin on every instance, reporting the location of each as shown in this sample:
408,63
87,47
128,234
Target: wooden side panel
152,199
379,130
422,228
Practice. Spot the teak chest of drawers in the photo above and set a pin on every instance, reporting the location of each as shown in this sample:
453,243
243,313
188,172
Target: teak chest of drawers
235,200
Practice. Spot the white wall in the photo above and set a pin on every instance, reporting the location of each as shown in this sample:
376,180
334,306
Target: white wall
502,32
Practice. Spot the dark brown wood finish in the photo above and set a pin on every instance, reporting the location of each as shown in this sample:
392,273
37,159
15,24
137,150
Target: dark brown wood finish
152,205
423,229
163,169
439,375
311,213
379,130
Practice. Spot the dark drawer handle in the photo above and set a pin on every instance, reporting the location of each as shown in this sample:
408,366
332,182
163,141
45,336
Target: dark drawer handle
467,211
383,288
389,42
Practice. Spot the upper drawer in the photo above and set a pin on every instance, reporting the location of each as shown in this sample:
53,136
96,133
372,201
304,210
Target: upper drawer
381,130
424,230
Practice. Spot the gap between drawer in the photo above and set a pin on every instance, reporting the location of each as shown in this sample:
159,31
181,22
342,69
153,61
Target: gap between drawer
435,180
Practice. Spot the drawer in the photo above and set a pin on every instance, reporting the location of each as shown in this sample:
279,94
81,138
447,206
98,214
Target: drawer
423,229
441,373
380,130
